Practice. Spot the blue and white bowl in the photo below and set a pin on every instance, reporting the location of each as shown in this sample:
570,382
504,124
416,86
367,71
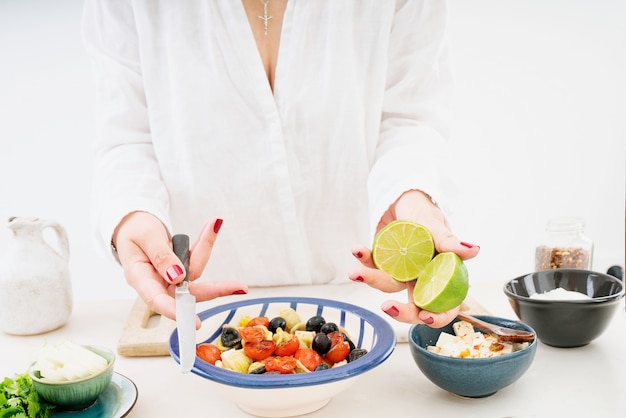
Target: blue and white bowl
299,393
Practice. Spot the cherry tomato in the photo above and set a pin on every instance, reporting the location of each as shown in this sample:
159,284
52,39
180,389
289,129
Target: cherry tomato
338,352
336,337
340,348
288,348
208,352
252,334
260,350
283,365
259,320
309,358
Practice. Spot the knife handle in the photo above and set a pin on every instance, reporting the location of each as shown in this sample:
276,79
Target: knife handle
180,242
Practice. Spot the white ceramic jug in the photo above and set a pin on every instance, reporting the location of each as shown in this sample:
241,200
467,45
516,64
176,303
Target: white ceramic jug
35,286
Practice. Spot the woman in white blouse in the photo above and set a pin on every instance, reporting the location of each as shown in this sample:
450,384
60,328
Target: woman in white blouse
304,125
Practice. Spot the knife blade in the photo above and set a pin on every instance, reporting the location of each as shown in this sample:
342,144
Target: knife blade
185,308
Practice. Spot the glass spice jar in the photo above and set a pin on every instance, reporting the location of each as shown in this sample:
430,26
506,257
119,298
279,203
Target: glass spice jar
564,246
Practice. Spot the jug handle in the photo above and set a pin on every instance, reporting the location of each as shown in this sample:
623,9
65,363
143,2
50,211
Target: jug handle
62,239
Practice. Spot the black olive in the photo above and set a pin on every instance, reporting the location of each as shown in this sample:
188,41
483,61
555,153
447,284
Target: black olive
321,366
355,354
349,341
616,271
230,337
277,322
315,323
321,343
329,327
258,370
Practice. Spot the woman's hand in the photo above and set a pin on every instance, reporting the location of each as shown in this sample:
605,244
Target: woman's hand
150,266
416,206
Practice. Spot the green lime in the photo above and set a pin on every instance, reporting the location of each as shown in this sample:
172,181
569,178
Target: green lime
443,285
402,249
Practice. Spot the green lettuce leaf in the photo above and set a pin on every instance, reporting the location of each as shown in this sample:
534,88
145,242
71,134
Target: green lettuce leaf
19,399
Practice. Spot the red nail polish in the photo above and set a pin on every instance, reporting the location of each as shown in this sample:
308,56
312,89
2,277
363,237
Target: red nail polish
173,272
217,225
467,244
357,279
429,320
358,254
239,292
392,311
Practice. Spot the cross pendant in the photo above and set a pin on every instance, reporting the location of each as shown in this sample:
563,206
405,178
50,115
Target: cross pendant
265,18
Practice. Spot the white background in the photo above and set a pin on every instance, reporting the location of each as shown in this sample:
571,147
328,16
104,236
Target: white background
539,128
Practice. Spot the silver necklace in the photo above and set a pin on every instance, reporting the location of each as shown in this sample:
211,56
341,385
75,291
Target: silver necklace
265,18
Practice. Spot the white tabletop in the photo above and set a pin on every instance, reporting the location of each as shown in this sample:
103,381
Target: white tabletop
584,381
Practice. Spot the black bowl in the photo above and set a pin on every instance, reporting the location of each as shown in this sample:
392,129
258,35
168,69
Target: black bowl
566,323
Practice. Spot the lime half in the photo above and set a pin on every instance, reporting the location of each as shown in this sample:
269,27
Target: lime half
402,249
443,285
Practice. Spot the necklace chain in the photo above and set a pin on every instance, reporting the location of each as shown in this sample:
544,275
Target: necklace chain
265,18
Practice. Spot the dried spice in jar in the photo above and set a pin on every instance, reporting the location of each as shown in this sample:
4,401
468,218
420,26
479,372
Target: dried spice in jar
564,246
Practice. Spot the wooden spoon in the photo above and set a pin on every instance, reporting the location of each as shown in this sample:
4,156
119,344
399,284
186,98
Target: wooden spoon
504,334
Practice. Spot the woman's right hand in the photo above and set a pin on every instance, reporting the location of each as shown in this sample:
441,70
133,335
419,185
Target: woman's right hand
151,268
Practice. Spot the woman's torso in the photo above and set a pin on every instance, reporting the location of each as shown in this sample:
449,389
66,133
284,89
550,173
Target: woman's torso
285,168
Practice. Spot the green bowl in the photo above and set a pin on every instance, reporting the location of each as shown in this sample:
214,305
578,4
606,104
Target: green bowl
77,394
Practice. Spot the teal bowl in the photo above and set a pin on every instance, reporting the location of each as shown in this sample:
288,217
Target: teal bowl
470,377
76,394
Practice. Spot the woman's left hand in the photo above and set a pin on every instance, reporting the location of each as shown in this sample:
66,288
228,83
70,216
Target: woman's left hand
416,206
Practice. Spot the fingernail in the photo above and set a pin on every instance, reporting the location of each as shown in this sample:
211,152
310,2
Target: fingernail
429,320
358,254
467,244
357,279
173,272
217,225
392,311
240,292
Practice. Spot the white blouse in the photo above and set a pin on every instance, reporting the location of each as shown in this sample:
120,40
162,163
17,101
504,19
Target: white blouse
189,129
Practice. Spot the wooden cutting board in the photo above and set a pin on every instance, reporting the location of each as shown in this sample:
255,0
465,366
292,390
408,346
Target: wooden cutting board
147,333
471,307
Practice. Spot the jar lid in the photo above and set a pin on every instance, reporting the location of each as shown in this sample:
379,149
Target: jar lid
565,224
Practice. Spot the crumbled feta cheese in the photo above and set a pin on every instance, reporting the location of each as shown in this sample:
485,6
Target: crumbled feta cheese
468,343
